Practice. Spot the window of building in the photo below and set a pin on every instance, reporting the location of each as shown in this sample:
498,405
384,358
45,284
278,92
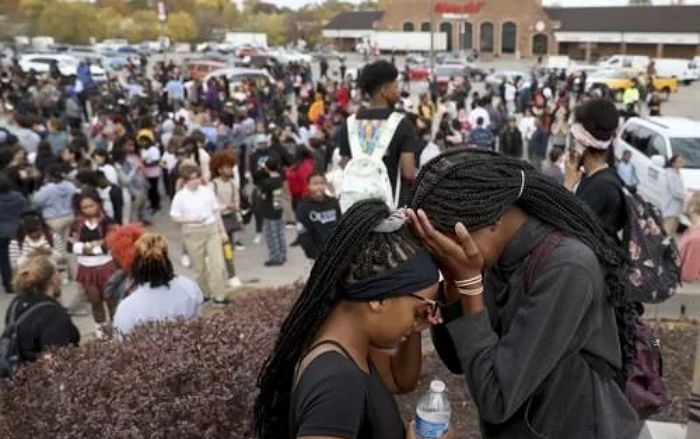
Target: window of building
408,27
447,29
467,40
540,44
425,26
486,37
508,37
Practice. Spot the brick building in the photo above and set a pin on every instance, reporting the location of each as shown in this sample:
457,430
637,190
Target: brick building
525,28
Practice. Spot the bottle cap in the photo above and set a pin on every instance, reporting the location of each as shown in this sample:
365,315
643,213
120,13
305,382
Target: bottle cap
437,386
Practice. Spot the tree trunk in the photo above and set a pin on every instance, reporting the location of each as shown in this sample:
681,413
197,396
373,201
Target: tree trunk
694,409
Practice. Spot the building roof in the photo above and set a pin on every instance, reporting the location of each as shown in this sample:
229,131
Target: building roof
680,19
355,20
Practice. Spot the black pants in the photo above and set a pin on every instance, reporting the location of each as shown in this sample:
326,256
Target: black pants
5,268
153,194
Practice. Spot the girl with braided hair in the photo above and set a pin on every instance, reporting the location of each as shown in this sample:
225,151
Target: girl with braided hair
369,294
537,322
159,294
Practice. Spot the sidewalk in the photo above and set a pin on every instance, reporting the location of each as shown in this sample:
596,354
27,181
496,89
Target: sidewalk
684,305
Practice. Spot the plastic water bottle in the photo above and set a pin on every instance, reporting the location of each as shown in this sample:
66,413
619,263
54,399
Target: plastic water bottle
433,412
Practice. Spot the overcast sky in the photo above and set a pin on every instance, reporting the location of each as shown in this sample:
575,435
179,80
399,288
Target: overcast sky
298,3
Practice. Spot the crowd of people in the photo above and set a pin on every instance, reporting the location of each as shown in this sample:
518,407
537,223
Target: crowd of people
86,167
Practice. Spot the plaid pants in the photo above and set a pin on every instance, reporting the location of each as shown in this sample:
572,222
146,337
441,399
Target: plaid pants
273,230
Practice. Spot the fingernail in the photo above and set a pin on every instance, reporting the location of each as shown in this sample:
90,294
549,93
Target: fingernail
460,228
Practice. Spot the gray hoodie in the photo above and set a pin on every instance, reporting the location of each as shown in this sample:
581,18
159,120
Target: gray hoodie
522,357
56,199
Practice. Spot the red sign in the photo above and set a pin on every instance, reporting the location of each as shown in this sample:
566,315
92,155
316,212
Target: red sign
459,8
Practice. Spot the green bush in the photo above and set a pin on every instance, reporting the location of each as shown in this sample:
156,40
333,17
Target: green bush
178,379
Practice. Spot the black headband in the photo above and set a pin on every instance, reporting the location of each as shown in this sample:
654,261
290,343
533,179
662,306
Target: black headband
411,276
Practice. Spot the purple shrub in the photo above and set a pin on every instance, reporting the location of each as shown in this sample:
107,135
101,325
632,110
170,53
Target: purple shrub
170,380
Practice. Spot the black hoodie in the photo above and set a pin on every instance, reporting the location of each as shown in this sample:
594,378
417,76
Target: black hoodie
315,221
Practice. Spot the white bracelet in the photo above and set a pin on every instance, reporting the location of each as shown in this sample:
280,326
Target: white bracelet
473,281
470,292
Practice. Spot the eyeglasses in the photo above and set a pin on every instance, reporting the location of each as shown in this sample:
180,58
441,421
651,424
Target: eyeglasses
433,305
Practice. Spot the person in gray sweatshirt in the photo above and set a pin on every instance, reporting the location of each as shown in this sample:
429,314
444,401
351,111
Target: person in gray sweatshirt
55,201
534,288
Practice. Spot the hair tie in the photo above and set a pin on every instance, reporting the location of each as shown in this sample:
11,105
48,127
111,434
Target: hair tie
392,223
522,184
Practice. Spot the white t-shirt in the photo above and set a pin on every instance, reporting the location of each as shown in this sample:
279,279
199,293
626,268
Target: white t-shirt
110,173
182,298
199,203
476,114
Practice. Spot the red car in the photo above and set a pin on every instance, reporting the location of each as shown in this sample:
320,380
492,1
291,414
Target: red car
244,51
418,73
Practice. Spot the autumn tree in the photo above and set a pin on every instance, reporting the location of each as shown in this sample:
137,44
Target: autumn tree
181,27
59,21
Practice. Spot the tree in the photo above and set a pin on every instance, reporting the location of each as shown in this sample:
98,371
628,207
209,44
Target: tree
640,2
181,27
119,6
59,20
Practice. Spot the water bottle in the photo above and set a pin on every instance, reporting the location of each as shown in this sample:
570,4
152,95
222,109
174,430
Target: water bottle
433,412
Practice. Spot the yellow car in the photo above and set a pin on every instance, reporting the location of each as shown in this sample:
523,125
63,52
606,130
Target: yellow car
621,80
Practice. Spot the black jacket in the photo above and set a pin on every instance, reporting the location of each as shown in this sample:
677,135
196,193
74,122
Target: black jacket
48,326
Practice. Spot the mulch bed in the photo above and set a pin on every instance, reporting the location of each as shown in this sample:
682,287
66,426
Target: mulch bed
678,342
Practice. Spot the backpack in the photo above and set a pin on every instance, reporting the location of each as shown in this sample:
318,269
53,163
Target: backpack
10,355
644,387
655,263
365,176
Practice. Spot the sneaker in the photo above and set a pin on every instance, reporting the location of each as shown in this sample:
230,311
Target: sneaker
258,239
235,282
239,246
100,332
291,226
185,261
220,303
274,263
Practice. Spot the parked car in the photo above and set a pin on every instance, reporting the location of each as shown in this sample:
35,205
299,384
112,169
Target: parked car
685,70
653,141
236,75
327,54
416,59
495,79
446,72
620,80
637,62
67,65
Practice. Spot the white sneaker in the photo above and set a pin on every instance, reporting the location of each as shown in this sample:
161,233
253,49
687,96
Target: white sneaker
258,239
185,261
235,282
100,333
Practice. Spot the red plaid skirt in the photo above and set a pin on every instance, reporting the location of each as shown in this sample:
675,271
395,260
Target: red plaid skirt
96,276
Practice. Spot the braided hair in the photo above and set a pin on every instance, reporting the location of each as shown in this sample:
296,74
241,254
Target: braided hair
151,262
353,252
476,187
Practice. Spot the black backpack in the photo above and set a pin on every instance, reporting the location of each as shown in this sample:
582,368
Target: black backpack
10,355
654,260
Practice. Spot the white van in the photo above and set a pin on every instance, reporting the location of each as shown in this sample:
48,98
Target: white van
686,70
652,142
637,62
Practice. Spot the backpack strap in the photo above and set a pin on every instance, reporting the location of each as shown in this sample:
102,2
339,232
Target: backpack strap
387,129
14,322
542,251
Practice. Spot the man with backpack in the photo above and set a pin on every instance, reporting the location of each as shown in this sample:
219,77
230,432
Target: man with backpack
378,141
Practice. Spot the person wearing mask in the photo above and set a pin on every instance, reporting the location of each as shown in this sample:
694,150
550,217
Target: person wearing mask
672,208
317,216
523,260
627,172
95,264
55,201
599,186
538,145
158,294
511,140
481,137
371,292
197,210
45,323
13,204
689,246
379,81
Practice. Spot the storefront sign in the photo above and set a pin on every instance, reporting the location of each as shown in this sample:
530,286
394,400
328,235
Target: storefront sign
471,7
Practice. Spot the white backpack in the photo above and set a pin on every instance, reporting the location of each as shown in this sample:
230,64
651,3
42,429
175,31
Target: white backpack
365,176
